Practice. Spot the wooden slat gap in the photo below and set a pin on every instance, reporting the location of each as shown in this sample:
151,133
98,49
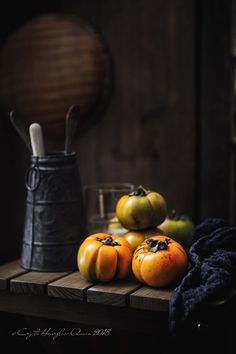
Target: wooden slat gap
113,293
5,281
60,277
73,286
86,290
31,284
127,300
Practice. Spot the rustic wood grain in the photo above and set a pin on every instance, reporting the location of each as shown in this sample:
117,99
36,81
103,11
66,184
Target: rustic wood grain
72,286
8,271
83,313
34,282
151,111
114,293
147,298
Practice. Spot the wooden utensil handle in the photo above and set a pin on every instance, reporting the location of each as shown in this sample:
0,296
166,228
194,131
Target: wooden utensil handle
36,137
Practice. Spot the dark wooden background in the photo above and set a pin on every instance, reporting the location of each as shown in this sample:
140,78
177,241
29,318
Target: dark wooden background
166,125
147,135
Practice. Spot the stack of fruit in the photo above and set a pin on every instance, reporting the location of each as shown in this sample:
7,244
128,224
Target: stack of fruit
140,212
155,257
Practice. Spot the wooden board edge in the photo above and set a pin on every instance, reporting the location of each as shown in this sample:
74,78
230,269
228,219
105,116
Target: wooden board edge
152,304
31,288
109,298
76,294
5,282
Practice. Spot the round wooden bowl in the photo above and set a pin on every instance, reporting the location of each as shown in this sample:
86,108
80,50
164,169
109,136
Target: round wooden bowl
51,63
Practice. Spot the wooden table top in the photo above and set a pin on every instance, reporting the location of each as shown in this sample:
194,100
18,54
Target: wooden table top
67,296
58,295
122,293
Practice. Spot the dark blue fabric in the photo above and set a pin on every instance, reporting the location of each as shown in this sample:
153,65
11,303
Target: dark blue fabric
212,271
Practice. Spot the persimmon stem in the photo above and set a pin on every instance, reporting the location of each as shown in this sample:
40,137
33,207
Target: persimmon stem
108,241
157,245
141,191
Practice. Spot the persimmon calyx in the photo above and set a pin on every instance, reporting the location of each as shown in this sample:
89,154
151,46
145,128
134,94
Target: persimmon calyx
157,245
140,192
108,241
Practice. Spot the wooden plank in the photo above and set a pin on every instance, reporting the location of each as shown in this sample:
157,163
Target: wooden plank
34,282
152,44
147,298
8,271
115,293
83,313
72,286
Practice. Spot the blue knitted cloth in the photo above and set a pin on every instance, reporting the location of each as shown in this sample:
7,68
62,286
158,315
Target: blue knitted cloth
212,271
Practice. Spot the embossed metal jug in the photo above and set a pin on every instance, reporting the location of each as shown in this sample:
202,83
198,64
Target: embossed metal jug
54,219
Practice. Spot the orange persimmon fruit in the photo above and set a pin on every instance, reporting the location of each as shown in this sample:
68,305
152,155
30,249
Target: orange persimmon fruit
104,257
159,261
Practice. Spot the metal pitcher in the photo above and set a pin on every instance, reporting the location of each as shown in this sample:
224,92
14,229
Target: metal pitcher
54,218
